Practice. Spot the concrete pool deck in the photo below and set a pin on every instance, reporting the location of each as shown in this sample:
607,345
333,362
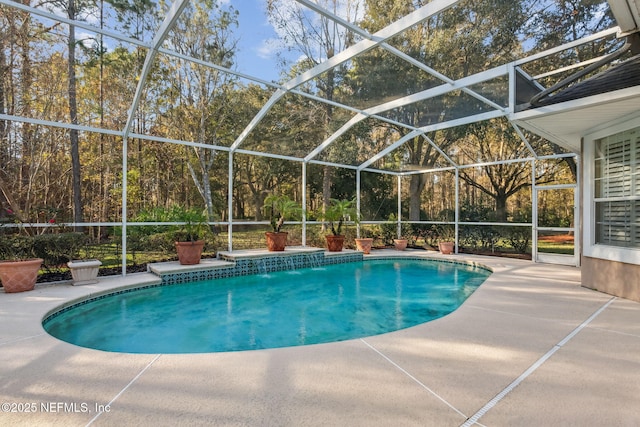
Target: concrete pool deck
530,347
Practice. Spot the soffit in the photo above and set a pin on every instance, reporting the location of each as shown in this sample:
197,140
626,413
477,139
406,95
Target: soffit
567,122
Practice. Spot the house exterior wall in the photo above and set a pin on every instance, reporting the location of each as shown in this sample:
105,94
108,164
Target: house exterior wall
609,269
611,277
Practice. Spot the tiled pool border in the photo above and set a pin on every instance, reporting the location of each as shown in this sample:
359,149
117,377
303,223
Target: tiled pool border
246,266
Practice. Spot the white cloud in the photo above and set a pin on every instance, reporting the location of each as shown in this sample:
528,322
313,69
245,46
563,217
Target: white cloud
267,49
87,39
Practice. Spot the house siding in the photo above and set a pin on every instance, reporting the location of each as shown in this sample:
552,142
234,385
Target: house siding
611,277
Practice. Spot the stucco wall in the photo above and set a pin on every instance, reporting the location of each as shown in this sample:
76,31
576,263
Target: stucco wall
611,277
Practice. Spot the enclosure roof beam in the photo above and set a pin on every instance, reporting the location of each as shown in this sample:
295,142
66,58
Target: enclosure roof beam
337,134
439,150
82,128
170,20
524,139
268,155
57,18
557,156
432,128
393,29
569,67
332,164
566,46
256,119
441,76
333,17
428,170
390,148
419,15
413,98
463,121
497,162
365,34
382,171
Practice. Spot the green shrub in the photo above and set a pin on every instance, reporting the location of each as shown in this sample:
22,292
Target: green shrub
518,238
59,248
13,247
432,233
54,249
164,242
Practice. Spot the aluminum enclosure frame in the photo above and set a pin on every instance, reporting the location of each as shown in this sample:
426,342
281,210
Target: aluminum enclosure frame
368,42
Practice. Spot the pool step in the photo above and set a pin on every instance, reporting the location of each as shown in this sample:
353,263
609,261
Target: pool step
246,262
174,267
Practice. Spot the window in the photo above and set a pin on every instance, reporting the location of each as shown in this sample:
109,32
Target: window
617,189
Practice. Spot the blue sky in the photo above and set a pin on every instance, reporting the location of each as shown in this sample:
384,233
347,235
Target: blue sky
255,57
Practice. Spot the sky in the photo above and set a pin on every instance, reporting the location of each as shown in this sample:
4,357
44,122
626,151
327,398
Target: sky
255,57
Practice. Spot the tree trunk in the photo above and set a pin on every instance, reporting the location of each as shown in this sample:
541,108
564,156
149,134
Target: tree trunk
258,202
202,179
26,132
326,190
4,124
501,207
73,113
416,185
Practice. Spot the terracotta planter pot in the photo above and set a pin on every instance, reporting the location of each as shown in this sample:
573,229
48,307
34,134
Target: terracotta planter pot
446,247
364,245
334,243
400,244
19,276
276,241
189,253
84,272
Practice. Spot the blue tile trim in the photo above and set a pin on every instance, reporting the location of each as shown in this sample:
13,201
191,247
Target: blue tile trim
262,265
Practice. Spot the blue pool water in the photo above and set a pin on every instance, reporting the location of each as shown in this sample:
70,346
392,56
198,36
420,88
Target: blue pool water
282,309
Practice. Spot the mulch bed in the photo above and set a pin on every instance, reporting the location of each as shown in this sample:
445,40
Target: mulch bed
560,238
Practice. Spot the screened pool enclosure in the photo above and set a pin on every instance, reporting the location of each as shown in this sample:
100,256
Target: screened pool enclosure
114,112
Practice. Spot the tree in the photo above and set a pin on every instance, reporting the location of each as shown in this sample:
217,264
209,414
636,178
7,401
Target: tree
202,96
72,13
564,21
317,38
476,35
496,140
107,90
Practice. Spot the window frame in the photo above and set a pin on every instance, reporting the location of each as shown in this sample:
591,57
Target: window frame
630,255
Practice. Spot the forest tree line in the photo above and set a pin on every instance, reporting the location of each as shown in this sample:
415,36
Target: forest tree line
53,72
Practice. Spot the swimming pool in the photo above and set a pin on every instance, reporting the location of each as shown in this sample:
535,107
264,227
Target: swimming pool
281,309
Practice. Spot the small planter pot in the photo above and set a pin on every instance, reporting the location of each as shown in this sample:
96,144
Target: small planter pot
400,244
364,245
334,243
84,272
446,247
189,253
276,242
19,276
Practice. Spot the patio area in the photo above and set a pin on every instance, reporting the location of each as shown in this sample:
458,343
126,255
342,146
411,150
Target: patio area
530,347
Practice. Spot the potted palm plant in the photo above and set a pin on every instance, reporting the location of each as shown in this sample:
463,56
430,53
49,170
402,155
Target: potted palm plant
335,215
279,208
190,237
